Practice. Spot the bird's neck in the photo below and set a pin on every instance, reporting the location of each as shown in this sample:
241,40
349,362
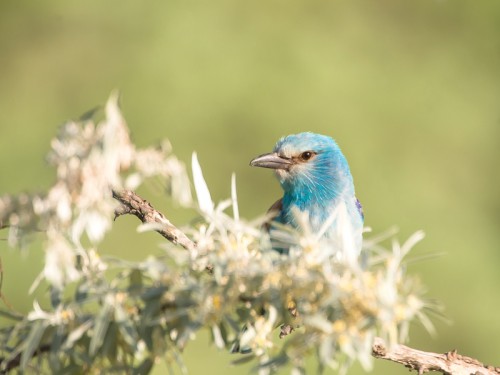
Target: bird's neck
317,197
308,197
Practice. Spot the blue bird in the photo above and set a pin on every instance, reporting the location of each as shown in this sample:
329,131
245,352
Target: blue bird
316,179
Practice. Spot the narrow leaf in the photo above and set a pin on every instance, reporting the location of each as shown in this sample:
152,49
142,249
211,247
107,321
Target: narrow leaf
33,342
100,328
11,315
144,368
126,327
76,334
243,360
217,337
234,198
205,202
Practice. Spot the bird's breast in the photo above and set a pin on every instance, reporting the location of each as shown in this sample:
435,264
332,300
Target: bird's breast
337,221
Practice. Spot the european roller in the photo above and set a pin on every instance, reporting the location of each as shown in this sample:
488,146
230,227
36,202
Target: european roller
316,179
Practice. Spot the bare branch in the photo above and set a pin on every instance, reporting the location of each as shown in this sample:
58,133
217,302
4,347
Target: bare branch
450,363
2,297
14,363
132,204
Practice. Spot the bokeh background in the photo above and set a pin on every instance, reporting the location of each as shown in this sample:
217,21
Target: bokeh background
409,89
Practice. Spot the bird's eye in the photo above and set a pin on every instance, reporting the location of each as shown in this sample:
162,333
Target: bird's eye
306,155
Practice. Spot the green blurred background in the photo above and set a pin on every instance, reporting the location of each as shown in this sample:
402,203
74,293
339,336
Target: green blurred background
409,89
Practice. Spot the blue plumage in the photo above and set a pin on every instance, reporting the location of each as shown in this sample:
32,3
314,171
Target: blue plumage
316,179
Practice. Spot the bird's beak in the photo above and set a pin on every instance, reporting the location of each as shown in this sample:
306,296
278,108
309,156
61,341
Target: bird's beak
271,160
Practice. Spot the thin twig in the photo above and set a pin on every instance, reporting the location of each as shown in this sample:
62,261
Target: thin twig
450,363
132,204
2,296
15,362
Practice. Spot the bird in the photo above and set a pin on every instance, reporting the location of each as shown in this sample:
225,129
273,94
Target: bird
316,179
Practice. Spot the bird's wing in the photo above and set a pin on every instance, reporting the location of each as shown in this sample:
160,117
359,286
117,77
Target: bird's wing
276,207
360,208
273,212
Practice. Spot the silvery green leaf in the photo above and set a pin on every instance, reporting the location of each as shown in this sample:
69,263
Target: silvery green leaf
38,314
217,337
319,322
55,296
327,350
278,361
426,322
72,368
133,181
205,202
298,371
82,292
154,292
101,325
11,315
33,341
158,343
146,332
234,198
150,311
243,359
36,283
411,242
179,256
55,347
188,333
223,205
126,327
135,279
235,326
364,354
144,368
180,362
154,268
109,347
76,334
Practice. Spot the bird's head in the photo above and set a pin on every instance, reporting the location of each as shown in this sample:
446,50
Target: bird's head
307,161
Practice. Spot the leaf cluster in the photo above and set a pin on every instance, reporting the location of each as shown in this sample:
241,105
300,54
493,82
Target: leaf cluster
116,315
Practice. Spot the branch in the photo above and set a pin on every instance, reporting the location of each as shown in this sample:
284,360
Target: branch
450,363
15,362
132,204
